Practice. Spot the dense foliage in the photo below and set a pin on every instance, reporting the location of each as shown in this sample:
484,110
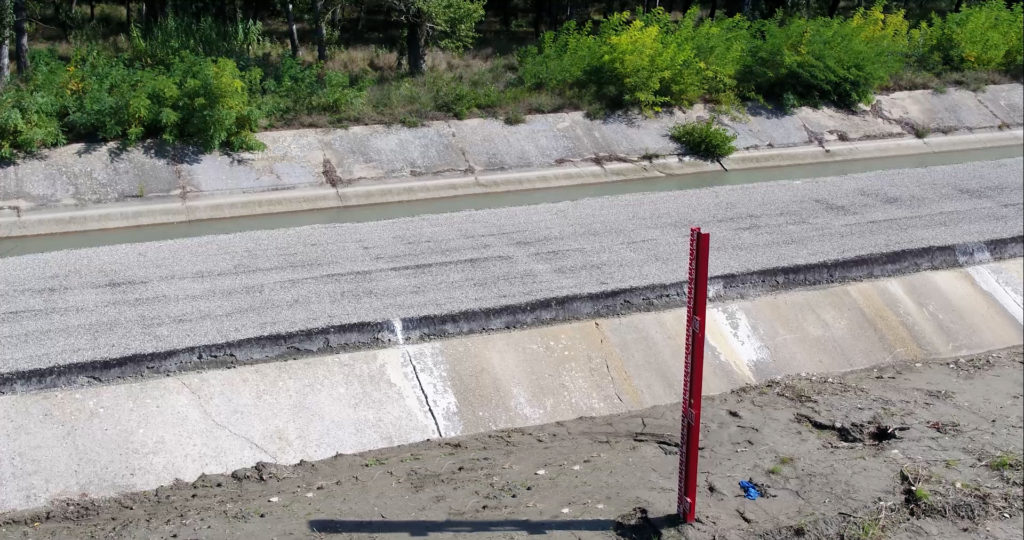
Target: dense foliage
986,36
651,60
200,75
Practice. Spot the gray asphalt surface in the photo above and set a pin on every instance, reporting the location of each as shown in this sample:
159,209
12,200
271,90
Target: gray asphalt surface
90,304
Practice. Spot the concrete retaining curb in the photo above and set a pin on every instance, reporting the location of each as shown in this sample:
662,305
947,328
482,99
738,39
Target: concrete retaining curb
376,334
88,187
106,439
216,206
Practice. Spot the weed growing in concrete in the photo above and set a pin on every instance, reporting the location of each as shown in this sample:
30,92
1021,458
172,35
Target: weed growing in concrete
704,139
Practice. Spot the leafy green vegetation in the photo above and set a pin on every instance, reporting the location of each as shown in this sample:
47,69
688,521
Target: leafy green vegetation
648,61
704,139
984,36
212,73
651,60
797,61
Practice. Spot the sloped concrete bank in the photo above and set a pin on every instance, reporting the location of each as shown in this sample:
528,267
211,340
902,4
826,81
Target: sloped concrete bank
426,328
87,187
106,439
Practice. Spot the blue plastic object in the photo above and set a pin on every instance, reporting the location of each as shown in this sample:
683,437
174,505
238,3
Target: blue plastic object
749,491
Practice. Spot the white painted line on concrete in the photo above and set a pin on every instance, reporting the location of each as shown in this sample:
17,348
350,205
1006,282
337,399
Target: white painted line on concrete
429,367
739,347
715,288
399,334
1006,296
972,253
431,371
976,255
746,339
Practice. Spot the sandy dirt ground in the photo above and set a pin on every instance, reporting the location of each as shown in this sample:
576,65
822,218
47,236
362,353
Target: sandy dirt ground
909,451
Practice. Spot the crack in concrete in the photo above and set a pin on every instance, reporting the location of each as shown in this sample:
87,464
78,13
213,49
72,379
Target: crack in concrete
611,377
470,168
416,373
1002,125
206,412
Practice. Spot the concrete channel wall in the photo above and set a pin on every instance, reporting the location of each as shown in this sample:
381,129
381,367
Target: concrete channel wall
95,186
101,440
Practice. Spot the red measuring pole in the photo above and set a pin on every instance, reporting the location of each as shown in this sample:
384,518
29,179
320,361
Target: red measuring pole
693,373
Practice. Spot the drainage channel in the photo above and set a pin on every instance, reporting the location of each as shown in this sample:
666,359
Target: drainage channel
10,247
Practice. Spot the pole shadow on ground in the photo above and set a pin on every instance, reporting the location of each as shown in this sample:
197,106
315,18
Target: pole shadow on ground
425,527
635,524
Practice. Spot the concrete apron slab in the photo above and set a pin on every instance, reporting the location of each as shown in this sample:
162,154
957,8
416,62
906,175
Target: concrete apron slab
103,440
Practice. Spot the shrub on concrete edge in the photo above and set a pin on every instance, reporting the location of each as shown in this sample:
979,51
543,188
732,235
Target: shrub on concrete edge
704,139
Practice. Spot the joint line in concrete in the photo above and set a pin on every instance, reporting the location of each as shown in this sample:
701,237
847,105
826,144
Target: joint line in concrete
426,399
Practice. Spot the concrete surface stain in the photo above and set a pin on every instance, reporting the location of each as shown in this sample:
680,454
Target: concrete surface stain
719,334
883,319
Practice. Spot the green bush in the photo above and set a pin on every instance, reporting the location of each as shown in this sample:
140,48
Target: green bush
202,101
648,61
292,89
815,61
98,96
984,36
213,108
704,139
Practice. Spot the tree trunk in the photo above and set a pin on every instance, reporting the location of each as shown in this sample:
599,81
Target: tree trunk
336,18
153,11
415,41
92,10
506,15
59,18
959,4
321,35
361,18
128,13
833,8
6,24
5,59
538,17
714,8
21,38
293,35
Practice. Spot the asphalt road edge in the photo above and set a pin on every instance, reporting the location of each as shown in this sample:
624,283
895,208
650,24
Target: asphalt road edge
608,303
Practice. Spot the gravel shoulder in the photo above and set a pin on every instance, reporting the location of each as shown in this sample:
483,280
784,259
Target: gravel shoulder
821,446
